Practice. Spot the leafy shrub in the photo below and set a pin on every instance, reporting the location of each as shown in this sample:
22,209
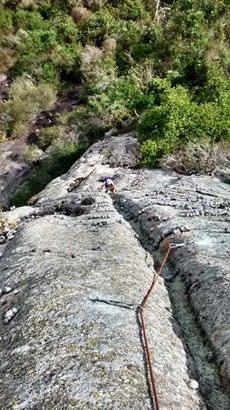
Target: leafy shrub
6,21
50,134
48,47
197,33
179,119
35,50
118,101
168,119
131,9
189,23
47,72
95,30
152,151
26,99
31,154
215,85
67,32
103,24
95,4
123,96
173,119
28,20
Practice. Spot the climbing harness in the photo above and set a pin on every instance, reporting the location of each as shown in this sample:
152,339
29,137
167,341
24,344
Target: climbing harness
140,312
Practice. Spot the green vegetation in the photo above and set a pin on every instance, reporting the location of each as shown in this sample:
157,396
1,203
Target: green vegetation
50,135
167,69
26,99
58,163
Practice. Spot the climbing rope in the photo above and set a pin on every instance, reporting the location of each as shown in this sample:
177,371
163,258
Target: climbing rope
152,381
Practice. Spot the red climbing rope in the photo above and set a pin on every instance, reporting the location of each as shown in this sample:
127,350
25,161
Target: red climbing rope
153,389
152,381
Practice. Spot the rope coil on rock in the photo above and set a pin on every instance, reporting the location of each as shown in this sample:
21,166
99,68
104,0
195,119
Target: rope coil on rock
152,381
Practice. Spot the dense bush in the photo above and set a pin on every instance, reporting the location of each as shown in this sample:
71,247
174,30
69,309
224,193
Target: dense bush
131,9
177,119
47,48
118,101
153,150
49,135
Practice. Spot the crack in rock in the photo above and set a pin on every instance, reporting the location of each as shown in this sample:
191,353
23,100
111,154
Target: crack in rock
130,306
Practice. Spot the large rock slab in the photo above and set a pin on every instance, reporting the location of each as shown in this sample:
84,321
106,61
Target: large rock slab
196,212
103,158
80,273
121,151
75,342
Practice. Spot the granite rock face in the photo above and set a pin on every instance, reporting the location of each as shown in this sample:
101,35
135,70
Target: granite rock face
102,159
74,342
78,268
195,212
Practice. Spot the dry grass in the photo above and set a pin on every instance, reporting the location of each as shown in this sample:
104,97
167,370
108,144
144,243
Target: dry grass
7,59
6,225
109,44
205,158
80,14
89,56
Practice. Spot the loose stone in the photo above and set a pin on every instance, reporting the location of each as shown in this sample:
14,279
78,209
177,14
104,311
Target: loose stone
2,240
7,289
193,384
9,315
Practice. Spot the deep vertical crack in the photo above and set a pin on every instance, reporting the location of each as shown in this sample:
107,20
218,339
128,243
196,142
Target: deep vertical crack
201,359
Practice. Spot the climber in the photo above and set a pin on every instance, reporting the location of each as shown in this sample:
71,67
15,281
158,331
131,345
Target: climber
108,184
